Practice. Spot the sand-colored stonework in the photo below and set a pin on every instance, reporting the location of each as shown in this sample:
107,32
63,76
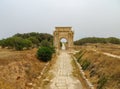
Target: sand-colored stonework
63,32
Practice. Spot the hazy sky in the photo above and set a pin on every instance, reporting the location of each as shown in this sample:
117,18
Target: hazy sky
100,18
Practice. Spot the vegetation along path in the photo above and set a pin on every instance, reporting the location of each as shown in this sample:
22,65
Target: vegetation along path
62,74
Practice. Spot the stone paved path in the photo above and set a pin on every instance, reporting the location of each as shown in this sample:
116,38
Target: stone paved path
62,71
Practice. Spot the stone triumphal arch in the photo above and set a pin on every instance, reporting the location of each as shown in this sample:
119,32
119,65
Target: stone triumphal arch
63,32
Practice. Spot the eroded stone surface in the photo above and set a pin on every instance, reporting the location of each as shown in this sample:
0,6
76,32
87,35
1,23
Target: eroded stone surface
63,32
62,71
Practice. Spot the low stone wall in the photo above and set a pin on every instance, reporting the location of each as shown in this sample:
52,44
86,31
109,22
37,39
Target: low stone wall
30,85
42,72
90,86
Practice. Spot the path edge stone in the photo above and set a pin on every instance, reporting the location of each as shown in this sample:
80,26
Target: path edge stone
89,84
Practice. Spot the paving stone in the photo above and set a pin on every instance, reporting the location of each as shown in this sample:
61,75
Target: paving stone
63,78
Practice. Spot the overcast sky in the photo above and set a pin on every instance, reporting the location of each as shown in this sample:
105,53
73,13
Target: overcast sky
88,18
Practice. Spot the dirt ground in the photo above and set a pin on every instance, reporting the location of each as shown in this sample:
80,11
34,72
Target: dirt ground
18,68
109,48
103,71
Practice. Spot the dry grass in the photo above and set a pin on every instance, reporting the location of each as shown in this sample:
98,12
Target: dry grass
18,68
76,73
103,66
109,48
44,81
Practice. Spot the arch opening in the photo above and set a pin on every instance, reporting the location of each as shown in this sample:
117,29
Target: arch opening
66,33
63,44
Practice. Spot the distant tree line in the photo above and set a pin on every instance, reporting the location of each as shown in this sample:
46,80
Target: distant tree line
112,40
27,40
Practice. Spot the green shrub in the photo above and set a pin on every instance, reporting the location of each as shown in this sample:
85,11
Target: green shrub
27,40
80,55
20,43
85,64
113,40
45,43
52,49
17,43
101,82
83,41
44,54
